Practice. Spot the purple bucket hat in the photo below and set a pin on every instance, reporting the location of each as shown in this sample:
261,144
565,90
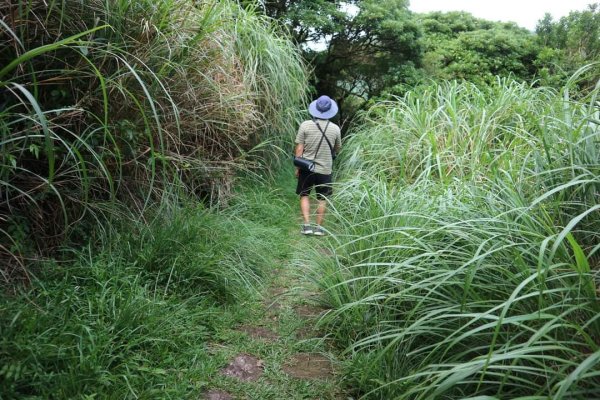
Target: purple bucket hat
323,108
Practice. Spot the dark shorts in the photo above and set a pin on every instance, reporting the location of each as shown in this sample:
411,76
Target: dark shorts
308,180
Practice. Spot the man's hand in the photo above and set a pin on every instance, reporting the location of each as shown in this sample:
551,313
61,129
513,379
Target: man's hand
297,172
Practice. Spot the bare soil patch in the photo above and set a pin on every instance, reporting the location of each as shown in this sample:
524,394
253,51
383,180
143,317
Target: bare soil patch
309,311
218,395
308,366
258,332
244,367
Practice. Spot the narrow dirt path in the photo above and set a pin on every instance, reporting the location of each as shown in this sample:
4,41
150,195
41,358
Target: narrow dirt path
271,349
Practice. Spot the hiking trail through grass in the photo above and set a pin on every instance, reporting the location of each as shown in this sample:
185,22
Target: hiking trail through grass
270,347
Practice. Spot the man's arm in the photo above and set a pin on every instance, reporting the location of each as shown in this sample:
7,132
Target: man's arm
338,143
298,153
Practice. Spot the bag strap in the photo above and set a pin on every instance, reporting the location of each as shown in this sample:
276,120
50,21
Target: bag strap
319,146
324,136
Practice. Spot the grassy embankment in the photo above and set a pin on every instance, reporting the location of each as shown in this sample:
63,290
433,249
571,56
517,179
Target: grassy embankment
135,320
159,313
112,110
115,115
466,248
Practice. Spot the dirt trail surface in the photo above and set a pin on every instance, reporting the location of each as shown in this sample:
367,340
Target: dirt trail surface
272,349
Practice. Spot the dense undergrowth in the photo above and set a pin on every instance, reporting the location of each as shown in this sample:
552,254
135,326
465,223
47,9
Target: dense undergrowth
124,128
466,251
467,246
134,320
110,108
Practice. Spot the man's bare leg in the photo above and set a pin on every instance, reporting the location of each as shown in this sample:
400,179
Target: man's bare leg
321,211
305,208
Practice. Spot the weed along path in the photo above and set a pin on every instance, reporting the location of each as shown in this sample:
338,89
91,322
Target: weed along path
270,348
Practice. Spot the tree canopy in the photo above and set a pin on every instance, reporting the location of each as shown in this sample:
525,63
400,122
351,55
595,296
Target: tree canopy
460,46
363,49
568,44
357,48
369,52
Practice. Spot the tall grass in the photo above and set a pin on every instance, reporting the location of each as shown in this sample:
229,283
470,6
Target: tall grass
135,320
117,118
467,252
450,130
109,108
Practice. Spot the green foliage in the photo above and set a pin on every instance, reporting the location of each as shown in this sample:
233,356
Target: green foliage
134,320
460,46
362,50
306,20
369,53
368,45
466,250
95,330
449,130
194,250
567,44
111,107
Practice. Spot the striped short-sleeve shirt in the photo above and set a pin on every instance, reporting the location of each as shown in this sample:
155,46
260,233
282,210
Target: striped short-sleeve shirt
309,135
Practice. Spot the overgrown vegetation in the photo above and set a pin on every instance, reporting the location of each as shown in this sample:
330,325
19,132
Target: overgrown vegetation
459,46
109,108
568,43
363,50
465,257
124,126
467,247
134,320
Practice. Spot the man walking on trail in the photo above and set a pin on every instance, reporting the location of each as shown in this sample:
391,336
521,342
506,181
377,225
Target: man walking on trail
317,140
